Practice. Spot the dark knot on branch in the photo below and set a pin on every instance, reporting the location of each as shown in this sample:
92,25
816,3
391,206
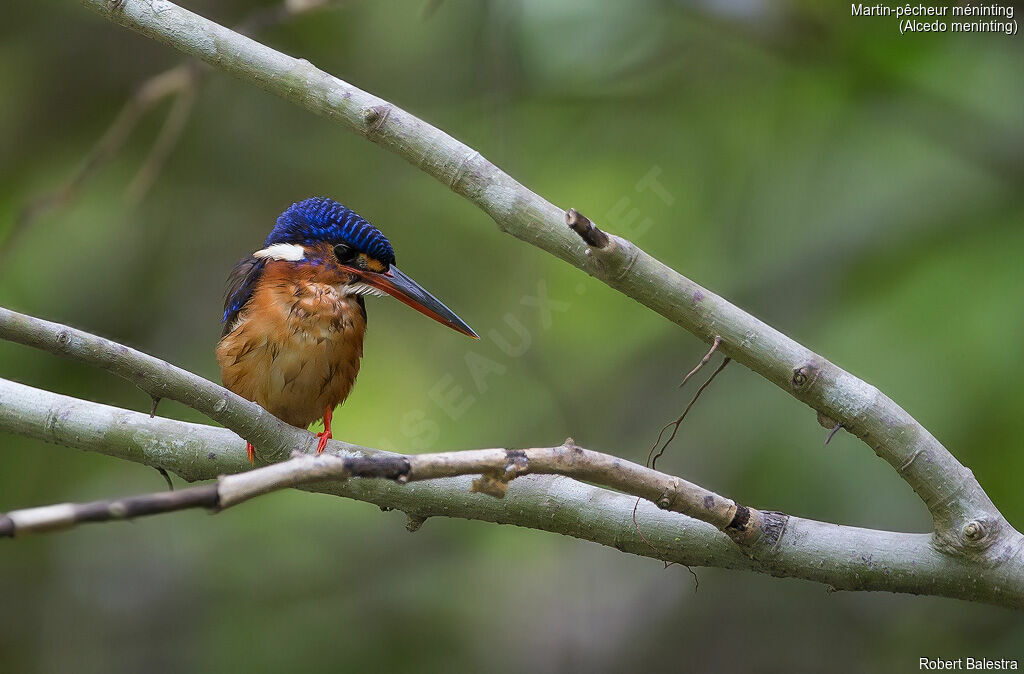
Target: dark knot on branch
589,232
375,117
804,375
388,467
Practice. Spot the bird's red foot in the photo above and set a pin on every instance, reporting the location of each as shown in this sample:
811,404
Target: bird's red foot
325,434
250,451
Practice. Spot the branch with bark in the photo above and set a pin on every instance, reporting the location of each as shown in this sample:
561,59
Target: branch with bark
973,552
274,438
841,557
494,468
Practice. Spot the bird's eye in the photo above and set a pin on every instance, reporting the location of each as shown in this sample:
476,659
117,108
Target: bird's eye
345,253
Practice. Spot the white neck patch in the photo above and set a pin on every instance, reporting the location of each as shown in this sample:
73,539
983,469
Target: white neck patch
292,252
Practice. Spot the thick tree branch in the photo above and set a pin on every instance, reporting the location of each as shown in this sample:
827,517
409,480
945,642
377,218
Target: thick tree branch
958,505
160,379
440,484
496,467
844,558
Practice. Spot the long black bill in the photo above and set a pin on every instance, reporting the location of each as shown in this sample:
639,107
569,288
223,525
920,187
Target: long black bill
404,289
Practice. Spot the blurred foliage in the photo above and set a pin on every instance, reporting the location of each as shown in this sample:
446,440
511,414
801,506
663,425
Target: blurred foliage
858,190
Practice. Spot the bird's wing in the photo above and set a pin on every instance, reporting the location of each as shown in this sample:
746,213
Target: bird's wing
241,283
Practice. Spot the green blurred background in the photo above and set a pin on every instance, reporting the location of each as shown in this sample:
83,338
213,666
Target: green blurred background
856,189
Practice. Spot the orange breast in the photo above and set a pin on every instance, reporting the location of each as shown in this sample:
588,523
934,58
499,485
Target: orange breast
295,347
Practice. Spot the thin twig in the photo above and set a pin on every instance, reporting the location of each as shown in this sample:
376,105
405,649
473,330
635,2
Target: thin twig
679,420
640,533
165,476
703,361
180,81
497,467
113,139
654,549
66,515
832,433
164,144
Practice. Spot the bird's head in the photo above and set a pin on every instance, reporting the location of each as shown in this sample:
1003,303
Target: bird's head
322,231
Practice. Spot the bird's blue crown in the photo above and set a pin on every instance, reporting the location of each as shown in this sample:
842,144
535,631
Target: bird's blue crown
321,219
314,220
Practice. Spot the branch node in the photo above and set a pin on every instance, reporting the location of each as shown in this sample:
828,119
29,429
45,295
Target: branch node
804,375
979,534
375,117
571,445
974,531
589,232
517,463
757,530
666,499
740,519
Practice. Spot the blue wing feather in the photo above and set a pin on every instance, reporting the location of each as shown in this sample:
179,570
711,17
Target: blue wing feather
241,284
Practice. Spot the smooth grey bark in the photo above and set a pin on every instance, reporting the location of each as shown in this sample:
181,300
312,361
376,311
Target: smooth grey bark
844,558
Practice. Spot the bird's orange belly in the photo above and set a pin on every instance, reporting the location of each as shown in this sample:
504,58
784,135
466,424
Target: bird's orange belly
296,352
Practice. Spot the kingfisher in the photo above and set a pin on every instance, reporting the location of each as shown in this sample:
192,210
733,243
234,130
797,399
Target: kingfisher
295,315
